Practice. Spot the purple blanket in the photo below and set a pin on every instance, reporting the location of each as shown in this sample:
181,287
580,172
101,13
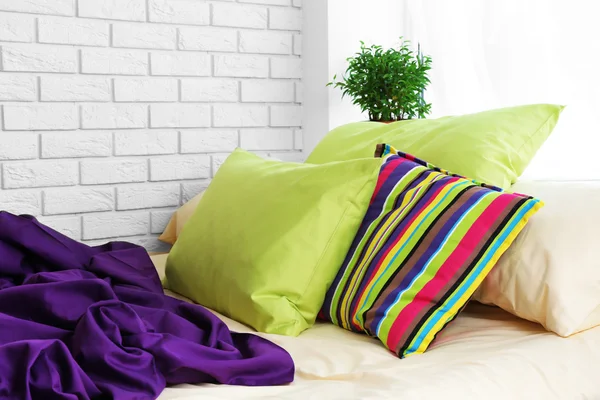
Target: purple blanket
80,322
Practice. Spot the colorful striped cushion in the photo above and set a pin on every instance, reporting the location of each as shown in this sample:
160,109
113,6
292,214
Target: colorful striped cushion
427,241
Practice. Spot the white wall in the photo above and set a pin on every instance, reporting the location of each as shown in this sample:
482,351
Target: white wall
486,55
315,62
117,111
333,30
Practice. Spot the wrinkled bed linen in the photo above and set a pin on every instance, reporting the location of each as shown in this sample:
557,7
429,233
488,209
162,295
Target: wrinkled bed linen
78,322
486,353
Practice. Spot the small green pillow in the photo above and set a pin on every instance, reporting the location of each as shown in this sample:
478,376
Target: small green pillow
268,238
492,146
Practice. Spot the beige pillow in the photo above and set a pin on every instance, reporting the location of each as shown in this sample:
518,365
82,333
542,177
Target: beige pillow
178,220
551,273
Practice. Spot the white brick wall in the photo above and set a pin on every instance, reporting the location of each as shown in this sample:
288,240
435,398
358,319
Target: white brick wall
148,90
148,196
115,112
39,174
18,147
140,143
76,144
114,62
179,12
17,87
239,15
180,64
207,39
39,58
116,170
78,200
111,116
49,7
144,36
210,90
74,88
260,91
73,31
17,28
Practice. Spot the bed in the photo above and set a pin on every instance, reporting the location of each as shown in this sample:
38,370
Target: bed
486,353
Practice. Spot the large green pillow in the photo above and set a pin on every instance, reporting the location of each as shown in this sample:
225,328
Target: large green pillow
268,238
491,146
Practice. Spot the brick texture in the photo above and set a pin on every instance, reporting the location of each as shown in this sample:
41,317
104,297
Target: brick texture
73,31
79,200
115,112
17,28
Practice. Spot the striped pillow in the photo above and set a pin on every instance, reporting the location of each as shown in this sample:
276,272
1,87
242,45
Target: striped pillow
428,240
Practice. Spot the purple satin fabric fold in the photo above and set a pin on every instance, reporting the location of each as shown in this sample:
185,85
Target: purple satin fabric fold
80,322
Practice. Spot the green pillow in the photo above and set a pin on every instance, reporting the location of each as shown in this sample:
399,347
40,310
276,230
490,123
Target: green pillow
268,238
491,146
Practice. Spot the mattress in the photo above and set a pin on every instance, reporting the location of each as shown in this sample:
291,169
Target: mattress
486,353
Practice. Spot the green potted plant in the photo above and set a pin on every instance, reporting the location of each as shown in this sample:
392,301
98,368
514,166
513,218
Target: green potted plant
388,84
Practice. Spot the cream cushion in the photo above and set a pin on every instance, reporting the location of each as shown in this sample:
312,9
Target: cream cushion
551,273
178,220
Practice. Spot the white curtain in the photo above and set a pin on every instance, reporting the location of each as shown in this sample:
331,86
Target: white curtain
496,53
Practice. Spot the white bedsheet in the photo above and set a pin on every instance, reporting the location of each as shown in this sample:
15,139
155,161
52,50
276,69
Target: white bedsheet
485,353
